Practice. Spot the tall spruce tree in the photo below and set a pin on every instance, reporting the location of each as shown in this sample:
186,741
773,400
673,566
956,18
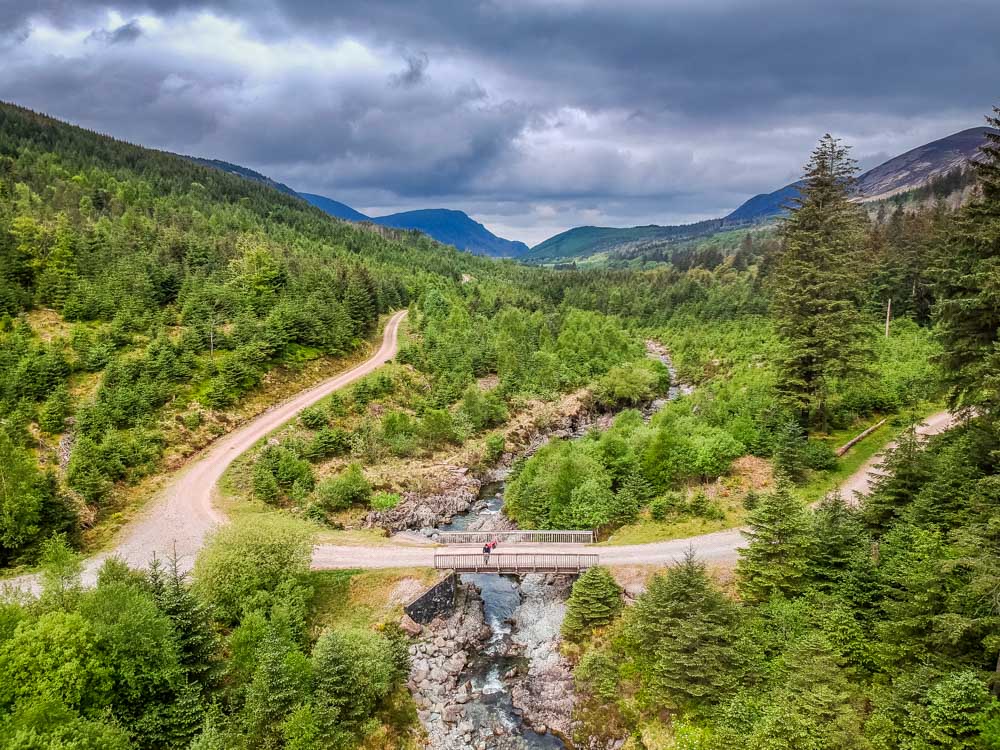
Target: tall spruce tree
968,291
815,284
594,602
680,634
777,558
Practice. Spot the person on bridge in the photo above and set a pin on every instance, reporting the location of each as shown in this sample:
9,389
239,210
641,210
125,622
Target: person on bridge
486,553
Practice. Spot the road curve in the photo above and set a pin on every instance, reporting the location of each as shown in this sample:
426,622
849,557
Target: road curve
717,547
183,515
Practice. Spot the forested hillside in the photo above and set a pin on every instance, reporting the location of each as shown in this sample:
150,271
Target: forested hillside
142,295
869,626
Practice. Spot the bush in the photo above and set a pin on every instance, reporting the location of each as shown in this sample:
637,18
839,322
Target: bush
495,447
482,410
347,489
384,500
52,417
285,465
265,486
594,602
438,428
632,384
327,443
663,506
313,417
248,558
819,456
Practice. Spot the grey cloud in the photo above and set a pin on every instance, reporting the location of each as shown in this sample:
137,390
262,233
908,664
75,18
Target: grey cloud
687,108
127,32
416,69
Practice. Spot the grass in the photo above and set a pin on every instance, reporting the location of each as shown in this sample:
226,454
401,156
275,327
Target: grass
365,598
819,485
645,531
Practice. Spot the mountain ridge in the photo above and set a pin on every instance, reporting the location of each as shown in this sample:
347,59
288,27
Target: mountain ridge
902,173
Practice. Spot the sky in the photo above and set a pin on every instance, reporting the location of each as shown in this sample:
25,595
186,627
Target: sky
532,116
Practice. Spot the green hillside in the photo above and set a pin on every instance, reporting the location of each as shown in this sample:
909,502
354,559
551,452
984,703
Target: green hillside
581,242
143,296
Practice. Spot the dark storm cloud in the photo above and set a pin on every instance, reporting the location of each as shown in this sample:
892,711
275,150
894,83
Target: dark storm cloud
127,32
416,69
571,110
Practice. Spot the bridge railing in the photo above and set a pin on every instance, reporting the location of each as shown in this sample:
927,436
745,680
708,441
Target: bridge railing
515,562
516,536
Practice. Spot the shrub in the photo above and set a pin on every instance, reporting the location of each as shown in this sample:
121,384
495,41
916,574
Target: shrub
482,410
632,384
313,417
248,558
52,417
819,456
286,466
385,500
438,428
495,447
594,602
265,486
328,442
664,505
346,489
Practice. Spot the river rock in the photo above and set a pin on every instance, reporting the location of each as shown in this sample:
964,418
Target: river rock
545,695
410,626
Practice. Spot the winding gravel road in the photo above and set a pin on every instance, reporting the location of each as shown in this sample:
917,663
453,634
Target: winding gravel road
718,547
183,515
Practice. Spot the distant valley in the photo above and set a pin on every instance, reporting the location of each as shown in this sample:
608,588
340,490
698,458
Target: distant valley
900,175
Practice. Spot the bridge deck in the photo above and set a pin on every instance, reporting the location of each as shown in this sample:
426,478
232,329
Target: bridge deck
516,536
514,562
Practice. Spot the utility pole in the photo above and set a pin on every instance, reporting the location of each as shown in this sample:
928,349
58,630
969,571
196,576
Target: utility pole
888,315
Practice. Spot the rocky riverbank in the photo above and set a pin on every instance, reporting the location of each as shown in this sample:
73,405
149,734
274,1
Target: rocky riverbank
456,489
545,695
439,657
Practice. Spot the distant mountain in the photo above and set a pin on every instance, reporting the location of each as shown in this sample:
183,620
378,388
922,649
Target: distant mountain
335,208
244,172
444,225
901,174
580,242
765,205
455,228
918,166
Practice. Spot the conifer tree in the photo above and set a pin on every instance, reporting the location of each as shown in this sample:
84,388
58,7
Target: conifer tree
968,291
777,557
59,275
595,601
815,284
903,472
838,537
196,639
680,632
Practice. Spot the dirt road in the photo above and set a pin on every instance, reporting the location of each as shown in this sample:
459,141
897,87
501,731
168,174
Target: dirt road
184,514
720,546
861,481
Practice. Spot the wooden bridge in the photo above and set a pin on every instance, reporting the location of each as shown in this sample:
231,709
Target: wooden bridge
516,536
514,562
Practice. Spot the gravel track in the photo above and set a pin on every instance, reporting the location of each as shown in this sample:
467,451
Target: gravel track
183,515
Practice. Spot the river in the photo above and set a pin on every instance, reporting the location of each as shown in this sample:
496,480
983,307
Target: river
493,707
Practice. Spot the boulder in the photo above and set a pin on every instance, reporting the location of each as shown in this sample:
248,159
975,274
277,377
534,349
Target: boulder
410,626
